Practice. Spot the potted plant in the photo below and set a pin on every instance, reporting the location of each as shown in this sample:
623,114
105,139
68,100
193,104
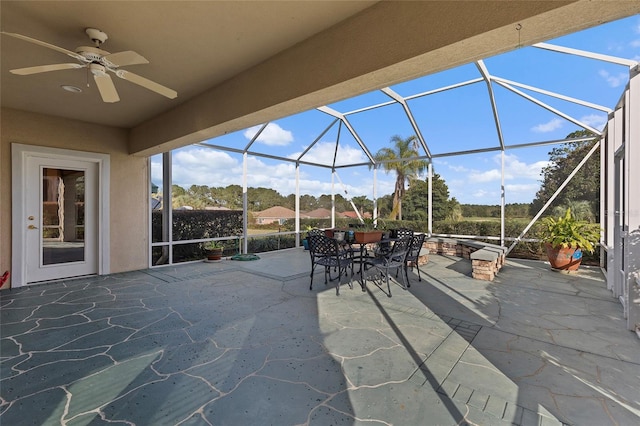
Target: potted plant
565,239
214,250
366,232
305,242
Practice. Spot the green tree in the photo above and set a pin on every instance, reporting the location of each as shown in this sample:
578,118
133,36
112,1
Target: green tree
416,204
585,185
232,196
517,210
264,198
177,190
454,210
402,159
580,210
440,196
307,202
342,204
363,204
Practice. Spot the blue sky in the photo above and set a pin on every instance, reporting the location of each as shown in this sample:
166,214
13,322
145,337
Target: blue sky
452,120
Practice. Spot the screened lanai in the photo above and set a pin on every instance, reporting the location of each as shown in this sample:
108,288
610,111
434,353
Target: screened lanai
508,111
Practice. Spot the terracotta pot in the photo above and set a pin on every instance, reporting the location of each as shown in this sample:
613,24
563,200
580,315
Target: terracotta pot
364,237
563,259
214,254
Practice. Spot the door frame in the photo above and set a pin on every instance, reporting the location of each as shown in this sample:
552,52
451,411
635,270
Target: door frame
19,155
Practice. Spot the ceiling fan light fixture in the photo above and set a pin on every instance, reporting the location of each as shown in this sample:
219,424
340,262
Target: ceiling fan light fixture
72,89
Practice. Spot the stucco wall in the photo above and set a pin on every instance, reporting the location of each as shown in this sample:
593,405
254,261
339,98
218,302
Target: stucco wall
129,196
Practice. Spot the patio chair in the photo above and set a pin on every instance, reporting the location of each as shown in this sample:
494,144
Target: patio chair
385,264
412,256
385,247
325,251
402,232
315,231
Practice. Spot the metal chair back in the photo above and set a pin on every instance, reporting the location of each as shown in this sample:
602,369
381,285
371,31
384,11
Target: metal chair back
413,255
394,259
326,252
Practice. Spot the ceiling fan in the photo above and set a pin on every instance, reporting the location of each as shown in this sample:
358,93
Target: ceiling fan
100,63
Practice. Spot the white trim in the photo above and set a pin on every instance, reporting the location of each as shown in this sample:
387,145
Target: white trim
19,155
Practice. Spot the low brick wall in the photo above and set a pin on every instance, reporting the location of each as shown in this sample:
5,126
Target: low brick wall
484,269
423,259
489,258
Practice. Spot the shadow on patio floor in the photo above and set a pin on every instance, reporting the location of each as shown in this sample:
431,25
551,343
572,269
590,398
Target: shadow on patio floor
248,343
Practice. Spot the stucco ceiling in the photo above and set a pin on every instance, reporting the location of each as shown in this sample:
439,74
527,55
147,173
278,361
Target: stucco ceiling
191,47
236,64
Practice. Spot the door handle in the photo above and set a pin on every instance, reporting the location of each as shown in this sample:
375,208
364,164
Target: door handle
32,227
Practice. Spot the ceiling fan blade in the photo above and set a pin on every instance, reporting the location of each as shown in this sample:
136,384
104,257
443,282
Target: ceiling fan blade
45,68
128,57
148,84
50,46
106,88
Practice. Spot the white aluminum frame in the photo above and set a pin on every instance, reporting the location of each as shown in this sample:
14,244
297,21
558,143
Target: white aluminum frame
620,139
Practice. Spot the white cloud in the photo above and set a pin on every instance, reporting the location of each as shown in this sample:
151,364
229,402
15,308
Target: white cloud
480,193
549,126
513,169
487,176
526,188
203,166
614,80
596,121
272,135
323,153
459,169
456,183
635,43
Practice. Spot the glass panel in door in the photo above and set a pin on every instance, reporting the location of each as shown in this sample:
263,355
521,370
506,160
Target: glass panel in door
63,195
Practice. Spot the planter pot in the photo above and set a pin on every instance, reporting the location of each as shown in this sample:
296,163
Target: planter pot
305,243
563,259
214,254
364,237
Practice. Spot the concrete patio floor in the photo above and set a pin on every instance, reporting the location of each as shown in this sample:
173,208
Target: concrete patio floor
247,343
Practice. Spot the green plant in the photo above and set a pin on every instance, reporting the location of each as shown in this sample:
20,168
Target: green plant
367,224
567,231
213,245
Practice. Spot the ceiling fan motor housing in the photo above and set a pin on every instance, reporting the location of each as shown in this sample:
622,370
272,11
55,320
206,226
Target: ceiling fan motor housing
97,36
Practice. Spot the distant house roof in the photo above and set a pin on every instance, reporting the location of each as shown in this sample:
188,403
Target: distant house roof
276,212
319,214
353,215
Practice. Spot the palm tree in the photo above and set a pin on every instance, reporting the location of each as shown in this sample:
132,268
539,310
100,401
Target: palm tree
403,160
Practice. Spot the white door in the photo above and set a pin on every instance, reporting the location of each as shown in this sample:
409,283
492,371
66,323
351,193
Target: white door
60,218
